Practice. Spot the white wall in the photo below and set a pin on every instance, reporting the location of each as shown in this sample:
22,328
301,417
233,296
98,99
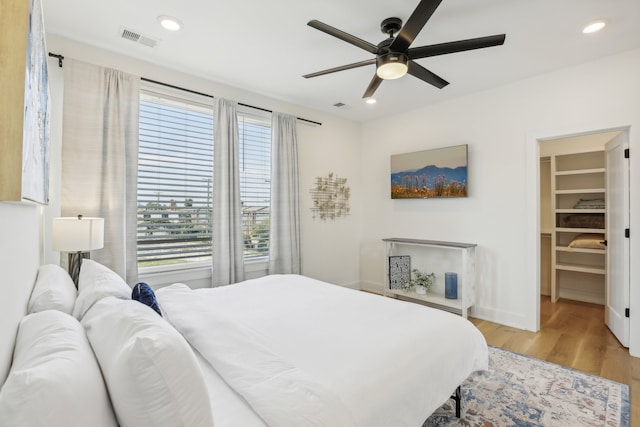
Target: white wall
330,248
20,240
332,147
502,127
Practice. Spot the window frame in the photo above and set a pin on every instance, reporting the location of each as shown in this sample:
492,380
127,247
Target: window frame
255,264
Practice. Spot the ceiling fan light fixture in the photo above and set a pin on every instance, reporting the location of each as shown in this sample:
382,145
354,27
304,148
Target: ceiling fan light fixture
394,56
391,66
370,101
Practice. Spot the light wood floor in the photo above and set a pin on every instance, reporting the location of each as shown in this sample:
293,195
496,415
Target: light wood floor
572,334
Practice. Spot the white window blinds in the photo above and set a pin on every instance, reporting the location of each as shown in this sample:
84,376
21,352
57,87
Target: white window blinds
175,169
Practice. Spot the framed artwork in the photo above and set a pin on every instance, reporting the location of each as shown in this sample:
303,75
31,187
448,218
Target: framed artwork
440,172
399,271
35,141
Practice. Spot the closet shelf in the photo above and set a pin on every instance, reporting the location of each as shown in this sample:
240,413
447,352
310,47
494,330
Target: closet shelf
581,191
579,230
577,176
580,250
580,171
580,211
581,268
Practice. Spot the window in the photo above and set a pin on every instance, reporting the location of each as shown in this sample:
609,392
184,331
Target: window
255,183
175,171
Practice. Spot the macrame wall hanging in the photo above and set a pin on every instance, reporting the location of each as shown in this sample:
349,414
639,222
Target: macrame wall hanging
330,197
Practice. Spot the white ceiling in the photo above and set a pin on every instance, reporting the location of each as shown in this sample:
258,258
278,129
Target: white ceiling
266,46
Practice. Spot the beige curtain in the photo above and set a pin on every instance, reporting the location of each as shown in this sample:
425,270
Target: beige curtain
284,235
100,157
227,245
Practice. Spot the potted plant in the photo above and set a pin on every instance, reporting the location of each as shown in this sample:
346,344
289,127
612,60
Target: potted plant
421,281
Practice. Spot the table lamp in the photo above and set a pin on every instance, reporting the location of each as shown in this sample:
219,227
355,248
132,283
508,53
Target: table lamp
77,236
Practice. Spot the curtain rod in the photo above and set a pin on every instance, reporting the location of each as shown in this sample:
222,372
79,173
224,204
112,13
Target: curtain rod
211,96
61,58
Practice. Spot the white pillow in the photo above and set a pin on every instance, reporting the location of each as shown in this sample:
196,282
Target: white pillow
54,379
96,282
53,290
151,372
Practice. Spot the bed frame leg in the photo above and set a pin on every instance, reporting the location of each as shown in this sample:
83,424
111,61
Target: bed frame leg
458,398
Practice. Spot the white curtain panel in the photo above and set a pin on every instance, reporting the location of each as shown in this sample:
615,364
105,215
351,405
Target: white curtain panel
284,236
100,157
227,246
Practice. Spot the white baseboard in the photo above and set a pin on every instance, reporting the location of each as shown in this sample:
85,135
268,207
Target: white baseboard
511,319
376,288
352,285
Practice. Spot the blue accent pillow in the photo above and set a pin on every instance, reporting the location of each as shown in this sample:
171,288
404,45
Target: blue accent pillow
144,294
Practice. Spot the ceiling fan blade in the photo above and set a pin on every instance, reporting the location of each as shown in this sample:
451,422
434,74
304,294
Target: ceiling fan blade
414,24
417,70
457,46
362,44
341,68
373,86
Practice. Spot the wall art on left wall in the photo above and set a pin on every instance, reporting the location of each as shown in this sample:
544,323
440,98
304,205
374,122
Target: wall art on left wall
37,107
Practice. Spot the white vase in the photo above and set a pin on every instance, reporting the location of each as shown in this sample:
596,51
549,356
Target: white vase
420,290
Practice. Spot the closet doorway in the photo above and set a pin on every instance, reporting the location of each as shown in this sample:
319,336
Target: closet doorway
584,212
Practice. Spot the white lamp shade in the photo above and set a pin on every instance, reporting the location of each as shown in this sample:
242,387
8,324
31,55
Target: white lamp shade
71,234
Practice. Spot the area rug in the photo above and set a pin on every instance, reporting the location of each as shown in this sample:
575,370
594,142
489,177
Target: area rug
522,391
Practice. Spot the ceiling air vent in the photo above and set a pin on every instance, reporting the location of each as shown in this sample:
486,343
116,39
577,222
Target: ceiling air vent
136,37
341,105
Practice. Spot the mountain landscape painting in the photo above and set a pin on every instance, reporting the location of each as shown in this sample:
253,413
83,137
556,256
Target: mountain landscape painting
440,172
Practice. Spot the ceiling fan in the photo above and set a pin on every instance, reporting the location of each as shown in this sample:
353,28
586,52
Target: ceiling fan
394,56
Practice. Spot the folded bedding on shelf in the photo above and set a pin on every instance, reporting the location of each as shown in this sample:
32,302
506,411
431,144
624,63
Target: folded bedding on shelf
589,204
582,221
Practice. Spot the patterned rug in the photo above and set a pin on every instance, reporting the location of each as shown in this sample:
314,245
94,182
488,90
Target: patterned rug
521,391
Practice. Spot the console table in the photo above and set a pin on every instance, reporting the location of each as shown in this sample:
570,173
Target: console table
433,256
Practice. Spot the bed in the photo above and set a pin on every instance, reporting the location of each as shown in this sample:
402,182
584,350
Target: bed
389,362
282,350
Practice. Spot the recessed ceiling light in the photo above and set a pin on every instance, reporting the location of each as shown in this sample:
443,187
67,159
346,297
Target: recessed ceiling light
169,23
371,101
594,27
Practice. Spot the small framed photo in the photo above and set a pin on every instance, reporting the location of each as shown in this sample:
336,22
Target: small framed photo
399,271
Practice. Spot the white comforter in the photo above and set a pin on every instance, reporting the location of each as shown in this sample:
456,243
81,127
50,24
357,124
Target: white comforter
306,353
